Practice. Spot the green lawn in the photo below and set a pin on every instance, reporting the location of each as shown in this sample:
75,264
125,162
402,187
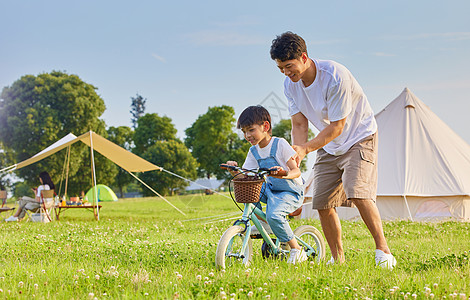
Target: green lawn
144,248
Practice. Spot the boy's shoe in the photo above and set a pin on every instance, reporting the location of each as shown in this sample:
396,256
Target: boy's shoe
11,219
384,260
297,256
255,231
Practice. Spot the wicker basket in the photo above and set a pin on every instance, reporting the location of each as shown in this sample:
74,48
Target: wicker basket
247,189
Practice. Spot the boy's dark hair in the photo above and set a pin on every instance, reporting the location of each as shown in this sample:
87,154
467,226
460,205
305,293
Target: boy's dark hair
287,46
254,115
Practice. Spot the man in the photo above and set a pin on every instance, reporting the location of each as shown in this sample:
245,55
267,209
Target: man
345,172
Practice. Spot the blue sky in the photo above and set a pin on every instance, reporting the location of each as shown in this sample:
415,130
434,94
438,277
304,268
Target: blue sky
186,56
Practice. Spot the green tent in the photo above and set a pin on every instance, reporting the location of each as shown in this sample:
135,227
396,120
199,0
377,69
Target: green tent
104,193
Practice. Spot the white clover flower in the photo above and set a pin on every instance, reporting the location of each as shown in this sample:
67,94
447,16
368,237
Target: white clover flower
435,285
179,276
97,277
211,274
414,296
91,295
431,296
20,284
36,286
199,277
250,294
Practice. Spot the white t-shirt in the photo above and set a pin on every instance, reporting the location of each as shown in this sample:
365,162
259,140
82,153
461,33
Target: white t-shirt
334,95
283,154
44,187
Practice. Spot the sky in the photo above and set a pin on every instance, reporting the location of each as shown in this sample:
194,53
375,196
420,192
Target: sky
186,56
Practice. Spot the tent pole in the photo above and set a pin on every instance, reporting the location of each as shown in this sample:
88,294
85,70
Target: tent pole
408,207
67,173
156,193
95,194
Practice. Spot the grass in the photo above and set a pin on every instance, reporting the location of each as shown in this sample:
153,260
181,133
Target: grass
143,248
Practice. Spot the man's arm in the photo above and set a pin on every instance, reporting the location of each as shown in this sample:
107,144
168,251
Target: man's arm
299,135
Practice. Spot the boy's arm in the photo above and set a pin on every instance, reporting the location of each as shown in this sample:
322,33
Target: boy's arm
293,171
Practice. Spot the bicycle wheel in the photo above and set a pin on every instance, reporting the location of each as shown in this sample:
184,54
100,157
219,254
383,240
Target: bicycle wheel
314,238
229,248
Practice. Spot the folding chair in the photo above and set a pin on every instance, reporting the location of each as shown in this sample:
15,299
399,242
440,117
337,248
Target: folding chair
46,207
3,197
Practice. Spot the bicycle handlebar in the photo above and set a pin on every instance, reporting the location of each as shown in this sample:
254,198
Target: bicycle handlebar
260,170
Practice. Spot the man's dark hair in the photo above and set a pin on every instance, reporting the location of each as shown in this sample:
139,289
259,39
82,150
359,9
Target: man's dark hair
287,46
254,115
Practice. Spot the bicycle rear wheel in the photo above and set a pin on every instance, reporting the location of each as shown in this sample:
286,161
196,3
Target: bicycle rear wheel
230,246
314,238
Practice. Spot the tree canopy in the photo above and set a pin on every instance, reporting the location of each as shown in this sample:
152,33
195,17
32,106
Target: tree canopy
137,108
172,156
212,140
152,128
36,111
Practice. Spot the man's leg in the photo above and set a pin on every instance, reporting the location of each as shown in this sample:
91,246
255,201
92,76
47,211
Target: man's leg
371,217
332,229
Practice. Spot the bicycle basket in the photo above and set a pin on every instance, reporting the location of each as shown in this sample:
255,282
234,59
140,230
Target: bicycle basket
247,189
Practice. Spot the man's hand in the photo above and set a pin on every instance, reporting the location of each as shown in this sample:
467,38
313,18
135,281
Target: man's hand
301,153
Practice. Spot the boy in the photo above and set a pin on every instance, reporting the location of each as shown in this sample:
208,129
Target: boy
283,194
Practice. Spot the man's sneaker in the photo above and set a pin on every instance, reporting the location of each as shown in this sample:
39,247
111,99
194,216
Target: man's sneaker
11,219
384,260
331,261
255,231
297,256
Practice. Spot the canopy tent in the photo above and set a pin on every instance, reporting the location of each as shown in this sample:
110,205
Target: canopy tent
423,165
120,156
104,193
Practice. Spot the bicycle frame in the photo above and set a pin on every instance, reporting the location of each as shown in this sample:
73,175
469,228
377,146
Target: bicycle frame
251,212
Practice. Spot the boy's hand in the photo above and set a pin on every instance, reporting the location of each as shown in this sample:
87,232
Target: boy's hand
232,163
276,170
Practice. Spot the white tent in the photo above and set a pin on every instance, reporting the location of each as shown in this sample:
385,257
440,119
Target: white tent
120,156
423,168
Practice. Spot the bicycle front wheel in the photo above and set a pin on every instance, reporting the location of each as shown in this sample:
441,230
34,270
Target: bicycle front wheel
314,238
229,249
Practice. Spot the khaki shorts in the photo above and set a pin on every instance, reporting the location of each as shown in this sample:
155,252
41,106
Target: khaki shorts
353,175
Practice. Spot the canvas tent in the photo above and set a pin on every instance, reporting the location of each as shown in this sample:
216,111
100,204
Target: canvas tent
120,156
104,193
423,168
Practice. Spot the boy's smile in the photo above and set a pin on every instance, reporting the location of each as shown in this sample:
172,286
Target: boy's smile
257,134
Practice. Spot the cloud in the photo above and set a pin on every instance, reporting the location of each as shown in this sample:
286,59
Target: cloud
158,57
224,38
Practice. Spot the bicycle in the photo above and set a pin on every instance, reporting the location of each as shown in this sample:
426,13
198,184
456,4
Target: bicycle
235,245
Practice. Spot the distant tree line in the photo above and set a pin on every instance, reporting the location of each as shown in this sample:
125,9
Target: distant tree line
36,111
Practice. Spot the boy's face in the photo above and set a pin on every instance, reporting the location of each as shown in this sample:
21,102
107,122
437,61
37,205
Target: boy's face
293,68
256,133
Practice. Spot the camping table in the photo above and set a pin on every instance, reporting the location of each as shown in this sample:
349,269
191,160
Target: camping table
59,208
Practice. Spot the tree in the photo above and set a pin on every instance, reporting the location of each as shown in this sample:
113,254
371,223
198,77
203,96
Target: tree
36,111
137,109
122,136
283,129
212,140
152,128
172,156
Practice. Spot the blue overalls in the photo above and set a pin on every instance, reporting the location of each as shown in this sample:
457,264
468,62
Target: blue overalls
282,196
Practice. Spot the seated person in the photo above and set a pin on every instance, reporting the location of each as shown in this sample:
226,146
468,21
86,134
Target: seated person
32,204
